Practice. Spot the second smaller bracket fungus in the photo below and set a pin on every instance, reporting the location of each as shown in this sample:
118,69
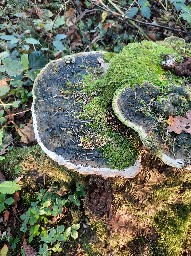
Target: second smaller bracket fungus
154,113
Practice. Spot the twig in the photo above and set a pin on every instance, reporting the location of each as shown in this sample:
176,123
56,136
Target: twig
84,13
124,17
18,113
121,13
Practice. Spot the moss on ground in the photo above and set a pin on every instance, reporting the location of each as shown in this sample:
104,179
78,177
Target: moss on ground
137,63
151,213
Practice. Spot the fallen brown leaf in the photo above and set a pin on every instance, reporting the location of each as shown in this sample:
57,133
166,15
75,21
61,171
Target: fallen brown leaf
6,217
179,124
70,13
26,133
4,81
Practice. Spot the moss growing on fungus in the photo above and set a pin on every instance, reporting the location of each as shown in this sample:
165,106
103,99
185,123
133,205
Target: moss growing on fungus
135,64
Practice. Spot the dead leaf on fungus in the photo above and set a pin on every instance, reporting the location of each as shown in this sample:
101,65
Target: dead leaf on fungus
179,124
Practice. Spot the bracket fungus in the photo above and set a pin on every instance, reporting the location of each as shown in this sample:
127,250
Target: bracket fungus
57,116
83,104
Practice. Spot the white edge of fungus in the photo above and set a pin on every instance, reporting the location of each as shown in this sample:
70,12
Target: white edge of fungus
129,172
177,163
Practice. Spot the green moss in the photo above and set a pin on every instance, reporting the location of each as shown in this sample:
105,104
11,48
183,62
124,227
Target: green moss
136,64
29,160
173,226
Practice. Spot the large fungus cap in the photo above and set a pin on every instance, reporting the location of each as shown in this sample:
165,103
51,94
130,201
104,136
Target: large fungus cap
56,112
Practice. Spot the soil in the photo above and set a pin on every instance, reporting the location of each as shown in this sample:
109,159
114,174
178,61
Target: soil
99,196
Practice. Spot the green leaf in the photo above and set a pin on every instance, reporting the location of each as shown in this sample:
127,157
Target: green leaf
186,17
4,55
9,187
47,203
132,12
2,158
16,103
60,229
2,207
32,74
9,201
60,37
142,2
57,248
7,37
37,60
1,136
58,45
14,41
49,25
13,67
59,22
74,234
67,233
25,61
146,12
76,226
31,40
2,68
43,250
4,250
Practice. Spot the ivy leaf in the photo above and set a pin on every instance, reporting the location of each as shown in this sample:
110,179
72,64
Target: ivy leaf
142,2
4,250
44,250
14,41
58,45
67,233
4,87
25,61
7,37
4,55
37,60
60,37
9,201
59,22
31,40
12,67
9,187
186,17
32,74
16,103
146,12
74,234
132,12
